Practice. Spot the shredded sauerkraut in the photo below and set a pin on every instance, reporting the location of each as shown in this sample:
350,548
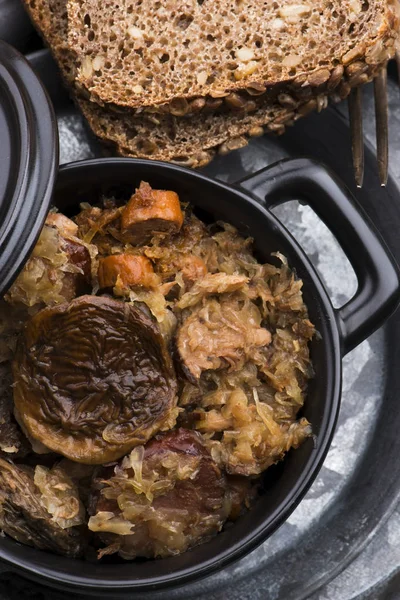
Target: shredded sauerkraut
239,333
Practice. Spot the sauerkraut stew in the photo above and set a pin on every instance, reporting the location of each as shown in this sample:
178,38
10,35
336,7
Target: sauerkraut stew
152,369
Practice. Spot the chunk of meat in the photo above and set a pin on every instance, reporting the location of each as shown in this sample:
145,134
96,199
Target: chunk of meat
220,333
78,282
93,379
58,269
162,499
149,212
102,228
178,271
242,492
126,270
13,444
212,284
81,475
78,253
24,513
192,267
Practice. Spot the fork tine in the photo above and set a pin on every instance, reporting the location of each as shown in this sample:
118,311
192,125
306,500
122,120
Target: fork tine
357,137
381,118
398,65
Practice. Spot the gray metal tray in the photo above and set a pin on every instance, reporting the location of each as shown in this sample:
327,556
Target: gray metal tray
358,488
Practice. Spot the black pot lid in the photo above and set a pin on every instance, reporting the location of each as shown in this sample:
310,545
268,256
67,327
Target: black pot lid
28,161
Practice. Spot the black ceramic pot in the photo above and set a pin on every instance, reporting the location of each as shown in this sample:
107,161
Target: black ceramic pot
246,205
28,159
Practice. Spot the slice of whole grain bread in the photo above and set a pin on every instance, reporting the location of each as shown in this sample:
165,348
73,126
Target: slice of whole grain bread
140,53
190,141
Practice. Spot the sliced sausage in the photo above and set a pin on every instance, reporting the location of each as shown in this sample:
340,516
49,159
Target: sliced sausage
128,269
149,212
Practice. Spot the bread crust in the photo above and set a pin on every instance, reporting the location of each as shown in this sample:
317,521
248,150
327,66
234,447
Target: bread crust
298,57
194,141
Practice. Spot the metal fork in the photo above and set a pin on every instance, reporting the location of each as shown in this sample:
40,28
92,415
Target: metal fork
381,125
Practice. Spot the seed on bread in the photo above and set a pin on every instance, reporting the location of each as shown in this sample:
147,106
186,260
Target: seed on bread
193,49
292,60
276,128
202,77
135,33
256,131
353,54
245,54
335,78
255,89
319,77
376,54
154,133
179,107
307,108
219,94
357,80
98,63
233,144
246,69
287,101
293,12
322,102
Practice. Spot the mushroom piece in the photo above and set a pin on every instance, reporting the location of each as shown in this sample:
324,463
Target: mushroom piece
25,514
150,212
93,379
162,499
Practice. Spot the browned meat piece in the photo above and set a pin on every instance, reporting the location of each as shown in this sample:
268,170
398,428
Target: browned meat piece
58,269
212,284
102,227
13,443
46,515
77,282
126,270
81,475
219,334
150,212
162,499
184,258
192,267
93,378
242,492
80,257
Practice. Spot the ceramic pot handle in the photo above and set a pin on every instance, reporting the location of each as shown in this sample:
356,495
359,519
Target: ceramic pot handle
312,183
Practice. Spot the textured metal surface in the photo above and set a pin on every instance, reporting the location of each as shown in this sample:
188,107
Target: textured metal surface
274,571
